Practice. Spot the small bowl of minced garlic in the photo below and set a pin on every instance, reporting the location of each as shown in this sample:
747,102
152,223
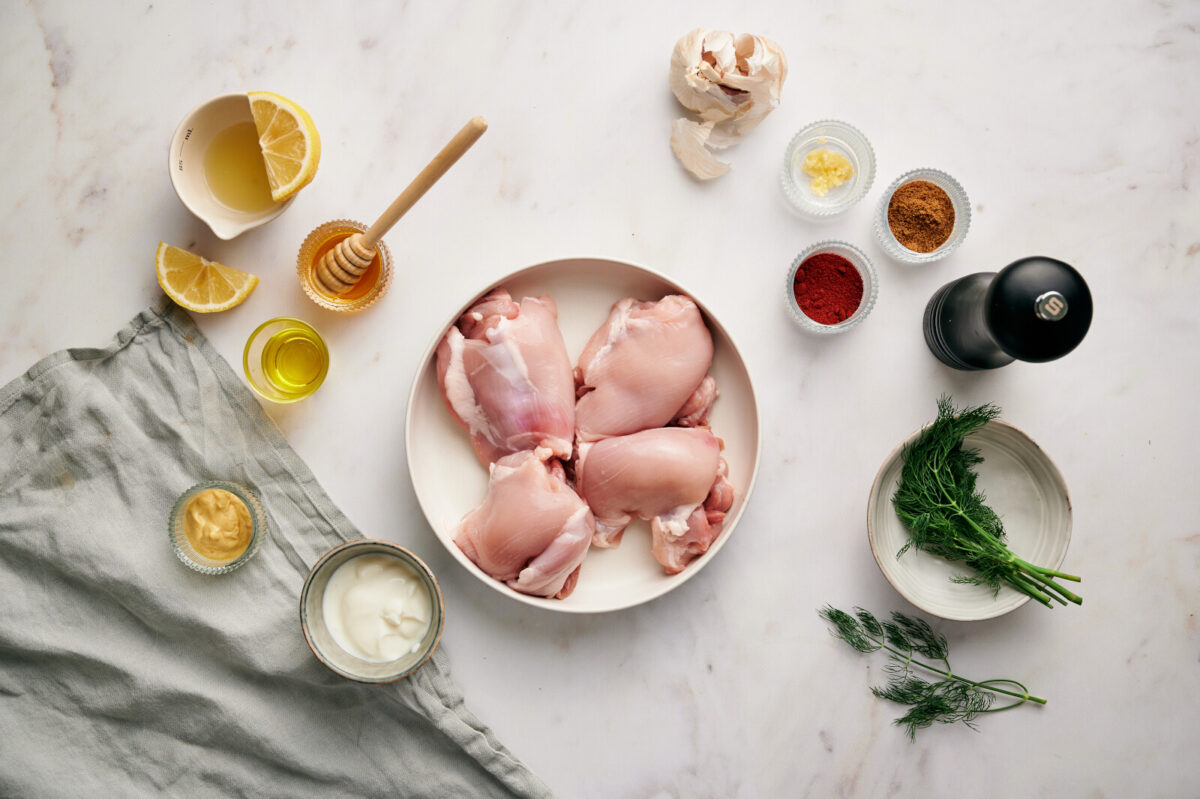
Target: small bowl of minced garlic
828,167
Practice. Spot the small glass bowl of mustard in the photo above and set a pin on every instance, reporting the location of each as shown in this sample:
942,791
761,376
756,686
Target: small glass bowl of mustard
216,526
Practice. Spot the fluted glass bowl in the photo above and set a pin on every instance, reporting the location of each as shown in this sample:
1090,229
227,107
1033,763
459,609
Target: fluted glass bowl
962,217
866,270
841,138
193,559
370,289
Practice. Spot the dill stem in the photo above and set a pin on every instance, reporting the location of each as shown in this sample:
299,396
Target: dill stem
1029,587
1044,576
1043,570
1051,572
1019,701
1068,595
908,658
988,537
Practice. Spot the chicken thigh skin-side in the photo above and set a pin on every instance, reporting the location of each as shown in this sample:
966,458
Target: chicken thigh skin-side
640,367
674,477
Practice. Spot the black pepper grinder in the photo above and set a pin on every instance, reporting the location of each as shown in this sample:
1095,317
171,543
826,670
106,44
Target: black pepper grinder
1035,309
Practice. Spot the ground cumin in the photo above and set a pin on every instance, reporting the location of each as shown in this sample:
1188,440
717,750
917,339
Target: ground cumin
921,216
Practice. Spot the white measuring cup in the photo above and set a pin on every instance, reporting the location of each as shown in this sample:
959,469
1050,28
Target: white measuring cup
188,146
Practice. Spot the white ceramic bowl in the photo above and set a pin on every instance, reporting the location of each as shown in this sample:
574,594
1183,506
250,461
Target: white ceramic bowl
1025,489
320,641
449,481
186,165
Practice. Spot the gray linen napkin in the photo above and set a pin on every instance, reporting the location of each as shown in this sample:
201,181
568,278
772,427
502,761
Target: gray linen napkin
123,673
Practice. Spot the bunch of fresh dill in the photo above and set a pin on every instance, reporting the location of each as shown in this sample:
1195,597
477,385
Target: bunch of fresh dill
937,501
953,698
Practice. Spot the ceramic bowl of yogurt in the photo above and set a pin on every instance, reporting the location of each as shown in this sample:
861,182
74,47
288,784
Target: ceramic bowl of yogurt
371,611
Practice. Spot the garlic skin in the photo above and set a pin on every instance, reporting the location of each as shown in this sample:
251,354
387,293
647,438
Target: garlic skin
688,138
732,83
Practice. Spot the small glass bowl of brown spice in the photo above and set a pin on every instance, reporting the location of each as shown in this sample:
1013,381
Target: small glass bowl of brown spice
923,216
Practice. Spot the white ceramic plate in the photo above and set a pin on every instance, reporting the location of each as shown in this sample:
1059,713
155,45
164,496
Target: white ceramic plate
1022,485
449,481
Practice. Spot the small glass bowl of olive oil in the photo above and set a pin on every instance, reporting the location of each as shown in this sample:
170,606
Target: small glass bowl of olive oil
217,167
285,360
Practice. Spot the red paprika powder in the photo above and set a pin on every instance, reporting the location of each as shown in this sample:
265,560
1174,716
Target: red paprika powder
828,288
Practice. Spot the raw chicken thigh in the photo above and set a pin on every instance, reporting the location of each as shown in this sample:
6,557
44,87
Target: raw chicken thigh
505,376
641,367
696,410
673,476
532,531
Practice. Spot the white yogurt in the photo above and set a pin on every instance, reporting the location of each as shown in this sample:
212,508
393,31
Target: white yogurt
376,608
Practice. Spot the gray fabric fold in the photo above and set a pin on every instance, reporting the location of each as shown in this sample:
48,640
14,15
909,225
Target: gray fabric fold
122,672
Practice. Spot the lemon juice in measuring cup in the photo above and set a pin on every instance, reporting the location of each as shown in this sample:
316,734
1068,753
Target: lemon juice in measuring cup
235,172
237,160
285,360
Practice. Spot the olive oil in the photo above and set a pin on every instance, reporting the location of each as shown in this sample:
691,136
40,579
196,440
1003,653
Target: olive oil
235,170
294,361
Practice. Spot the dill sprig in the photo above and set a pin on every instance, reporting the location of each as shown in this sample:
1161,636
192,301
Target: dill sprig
953,698
946,515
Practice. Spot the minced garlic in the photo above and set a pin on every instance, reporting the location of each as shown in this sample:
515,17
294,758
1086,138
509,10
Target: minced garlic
828,169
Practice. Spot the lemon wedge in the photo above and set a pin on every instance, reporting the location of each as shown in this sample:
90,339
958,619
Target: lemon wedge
199,284
290,144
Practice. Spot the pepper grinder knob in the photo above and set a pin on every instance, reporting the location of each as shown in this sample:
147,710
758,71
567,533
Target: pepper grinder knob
1035,309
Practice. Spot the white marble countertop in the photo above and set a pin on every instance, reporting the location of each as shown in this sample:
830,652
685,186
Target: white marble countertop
1074,128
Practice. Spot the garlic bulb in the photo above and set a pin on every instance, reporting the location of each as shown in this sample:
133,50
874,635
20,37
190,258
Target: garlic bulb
732,83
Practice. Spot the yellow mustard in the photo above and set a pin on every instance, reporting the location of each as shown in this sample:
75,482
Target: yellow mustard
217,524
828,169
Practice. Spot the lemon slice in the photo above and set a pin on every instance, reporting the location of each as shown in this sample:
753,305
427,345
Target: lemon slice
199,284
290,144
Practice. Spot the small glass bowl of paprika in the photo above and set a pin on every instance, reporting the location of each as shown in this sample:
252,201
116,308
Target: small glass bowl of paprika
831,287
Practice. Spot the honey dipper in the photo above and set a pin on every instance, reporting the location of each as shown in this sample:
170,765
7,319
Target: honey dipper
341,267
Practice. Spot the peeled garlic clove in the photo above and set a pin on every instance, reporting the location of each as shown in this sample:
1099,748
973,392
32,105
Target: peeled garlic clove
687,141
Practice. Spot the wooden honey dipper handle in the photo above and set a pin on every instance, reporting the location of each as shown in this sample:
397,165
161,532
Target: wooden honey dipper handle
342,266
441,162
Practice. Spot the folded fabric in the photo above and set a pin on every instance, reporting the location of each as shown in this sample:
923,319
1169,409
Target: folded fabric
122,672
